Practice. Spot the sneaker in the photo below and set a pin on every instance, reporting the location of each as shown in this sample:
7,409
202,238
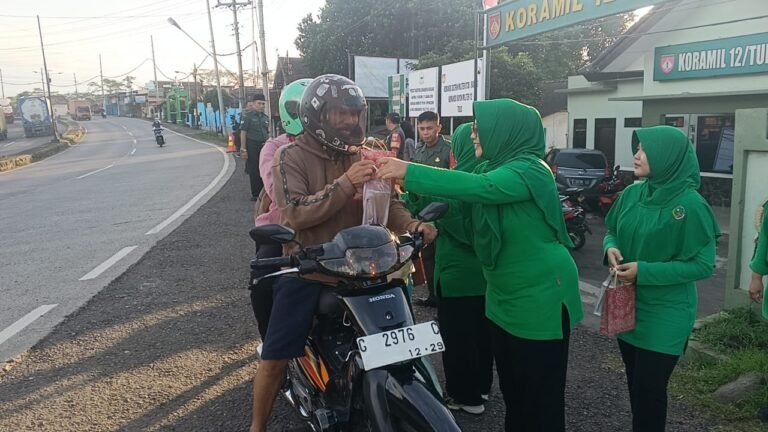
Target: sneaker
472,409
485,397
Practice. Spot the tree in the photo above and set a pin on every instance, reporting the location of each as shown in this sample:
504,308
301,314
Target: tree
212,97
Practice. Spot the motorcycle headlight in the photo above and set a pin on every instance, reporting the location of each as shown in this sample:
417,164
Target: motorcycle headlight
365,262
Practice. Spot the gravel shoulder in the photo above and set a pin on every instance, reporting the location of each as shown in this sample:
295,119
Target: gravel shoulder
170,346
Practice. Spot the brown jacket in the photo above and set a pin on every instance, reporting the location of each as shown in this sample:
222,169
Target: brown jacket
315,196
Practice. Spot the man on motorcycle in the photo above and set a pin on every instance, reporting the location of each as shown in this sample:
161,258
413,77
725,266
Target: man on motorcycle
316,180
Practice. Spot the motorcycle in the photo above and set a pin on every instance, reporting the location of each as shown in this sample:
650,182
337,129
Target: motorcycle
103,114
235,130
571,201
609,189
363,365
158,131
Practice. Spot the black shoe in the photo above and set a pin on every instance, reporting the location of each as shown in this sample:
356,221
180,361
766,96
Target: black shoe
254,198
426,302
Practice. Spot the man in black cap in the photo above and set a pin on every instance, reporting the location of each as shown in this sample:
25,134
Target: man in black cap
254,131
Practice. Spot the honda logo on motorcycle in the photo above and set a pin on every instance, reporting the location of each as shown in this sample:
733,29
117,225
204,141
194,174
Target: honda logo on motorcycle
381,297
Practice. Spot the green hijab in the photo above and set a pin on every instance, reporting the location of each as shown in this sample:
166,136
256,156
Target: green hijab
512,137
464,149
673,163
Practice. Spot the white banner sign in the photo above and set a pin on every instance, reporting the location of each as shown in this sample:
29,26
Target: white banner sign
422,91
457,88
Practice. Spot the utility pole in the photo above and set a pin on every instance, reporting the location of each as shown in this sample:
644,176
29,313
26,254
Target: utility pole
103,97
264,69
48,82
194,96
234,5
154,69
254,71
74,75
2,86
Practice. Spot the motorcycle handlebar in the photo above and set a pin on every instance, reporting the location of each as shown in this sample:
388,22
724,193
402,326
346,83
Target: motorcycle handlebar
265,263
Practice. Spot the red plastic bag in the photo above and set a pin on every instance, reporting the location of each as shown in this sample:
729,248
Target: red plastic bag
619,307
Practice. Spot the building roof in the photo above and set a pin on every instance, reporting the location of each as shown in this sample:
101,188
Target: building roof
594,70
288,70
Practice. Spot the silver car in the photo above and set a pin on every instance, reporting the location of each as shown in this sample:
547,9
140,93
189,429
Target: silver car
578,168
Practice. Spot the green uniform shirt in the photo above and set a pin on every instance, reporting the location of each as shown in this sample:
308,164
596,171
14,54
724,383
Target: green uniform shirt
256,126
666,295
437,155
535,274
759,262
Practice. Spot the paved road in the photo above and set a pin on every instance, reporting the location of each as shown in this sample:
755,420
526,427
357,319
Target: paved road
17,143
74,222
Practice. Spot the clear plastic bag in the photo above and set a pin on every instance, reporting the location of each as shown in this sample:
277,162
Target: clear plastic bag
377,195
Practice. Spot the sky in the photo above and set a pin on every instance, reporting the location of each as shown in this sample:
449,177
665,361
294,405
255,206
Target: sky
75,32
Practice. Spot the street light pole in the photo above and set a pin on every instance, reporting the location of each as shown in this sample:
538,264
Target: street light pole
215,62
264,69
48,79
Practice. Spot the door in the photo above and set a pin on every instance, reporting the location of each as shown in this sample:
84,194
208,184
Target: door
580,133
605,138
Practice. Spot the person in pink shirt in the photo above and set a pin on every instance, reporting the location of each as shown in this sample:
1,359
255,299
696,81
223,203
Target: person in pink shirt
265,210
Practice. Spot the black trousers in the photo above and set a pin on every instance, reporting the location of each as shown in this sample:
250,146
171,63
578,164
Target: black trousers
468,357
532,379
261,293
252,166
648,374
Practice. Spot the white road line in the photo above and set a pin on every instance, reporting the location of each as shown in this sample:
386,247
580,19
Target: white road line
134,141
133,151
9,144
108,263
24,321
130,134
94,172
200,194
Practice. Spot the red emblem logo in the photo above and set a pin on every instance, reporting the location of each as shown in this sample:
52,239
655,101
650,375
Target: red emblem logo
494,25
667,63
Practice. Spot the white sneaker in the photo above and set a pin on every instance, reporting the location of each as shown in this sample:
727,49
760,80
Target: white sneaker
472,409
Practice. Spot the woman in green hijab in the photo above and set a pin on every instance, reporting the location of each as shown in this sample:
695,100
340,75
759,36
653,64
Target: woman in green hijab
460,291
519,236
759,264
662,236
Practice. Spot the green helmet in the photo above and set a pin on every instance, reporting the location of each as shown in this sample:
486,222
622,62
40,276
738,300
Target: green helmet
290,100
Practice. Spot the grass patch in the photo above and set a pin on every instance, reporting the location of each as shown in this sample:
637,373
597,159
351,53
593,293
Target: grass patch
743,338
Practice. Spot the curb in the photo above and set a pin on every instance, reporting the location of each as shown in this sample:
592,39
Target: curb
698,352
68,138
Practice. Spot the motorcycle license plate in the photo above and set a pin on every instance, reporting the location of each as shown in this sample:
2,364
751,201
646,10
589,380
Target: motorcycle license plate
399,345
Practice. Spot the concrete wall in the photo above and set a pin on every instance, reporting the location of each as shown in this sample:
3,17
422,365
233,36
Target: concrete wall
557,130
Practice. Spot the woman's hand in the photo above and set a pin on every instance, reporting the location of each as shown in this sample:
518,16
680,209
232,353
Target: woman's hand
627,272
429,232
614,257
756,288
392,169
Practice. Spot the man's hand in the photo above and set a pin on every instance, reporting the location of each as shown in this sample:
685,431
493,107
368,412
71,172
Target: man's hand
243,154
392,169
360,172
614,257
756,288
627,272
428,231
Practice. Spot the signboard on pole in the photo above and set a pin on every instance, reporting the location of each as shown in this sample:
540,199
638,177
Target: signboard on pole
397,92
520,19
422,91
457,88
720,57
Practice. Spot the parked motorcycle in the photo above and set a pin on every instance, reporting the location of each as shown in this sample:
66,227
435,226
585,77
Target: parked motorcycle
157,128
575,216
363,367
609,189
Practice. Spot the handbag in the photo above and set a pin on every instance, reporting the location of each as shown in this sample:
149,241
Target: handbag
618,304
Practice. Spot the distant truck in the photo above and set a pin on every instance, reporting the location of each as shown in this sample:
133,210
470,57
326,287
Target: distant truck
60,110
35,116
6,109
79,109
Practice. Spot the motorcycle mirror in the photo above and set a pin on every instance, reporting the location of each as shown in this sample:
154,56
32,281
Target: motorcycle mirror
433,212
272,234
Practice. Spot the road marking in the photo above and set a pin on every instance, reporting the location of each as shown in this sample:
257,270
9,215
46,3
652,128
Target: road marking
9,144
24,321
200,194
108,263
133,151
134,141
94,172
130,134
